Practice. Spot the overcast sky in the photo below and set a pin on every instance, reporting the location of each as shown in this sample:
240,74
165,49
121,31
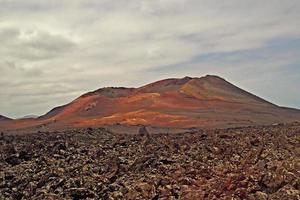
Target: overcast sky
53,51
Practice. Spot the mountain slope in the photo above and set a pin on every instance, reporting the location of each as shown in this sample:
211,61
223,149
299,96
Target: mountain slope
4,119
208,101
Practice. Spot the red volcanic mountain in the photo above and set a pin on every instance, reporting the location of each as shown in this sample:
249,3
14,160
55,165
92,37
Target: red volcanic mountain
208,101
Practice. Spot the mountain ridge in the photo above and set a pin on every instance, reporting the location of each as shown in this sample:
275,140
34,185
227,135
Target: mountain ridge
4,118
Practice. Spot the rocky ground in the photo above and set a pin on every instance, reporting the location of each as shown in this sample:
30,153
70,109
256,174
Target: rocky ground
243,163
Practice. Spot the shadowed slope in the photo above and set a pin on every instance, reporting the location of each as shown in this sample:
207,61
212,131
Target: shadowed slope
4,119
216,88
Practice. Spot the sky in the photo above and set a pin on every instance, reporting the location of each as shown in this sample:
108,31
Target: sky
53,51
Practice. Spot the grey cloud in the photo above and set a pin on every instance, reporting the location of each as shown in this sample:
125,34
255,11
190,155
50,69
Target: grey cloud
32,45
79,45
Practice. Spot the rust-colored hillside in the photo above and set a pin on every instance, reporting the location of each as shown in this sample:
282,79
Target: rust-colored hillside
206,102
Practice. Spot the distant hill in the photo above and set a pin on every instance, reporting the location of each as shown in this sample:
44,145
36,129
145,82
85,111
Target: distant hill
207,102
3,118
29,117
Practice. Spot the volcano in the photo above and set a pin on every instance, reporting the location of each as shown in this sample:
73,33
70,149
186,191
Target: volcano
206,102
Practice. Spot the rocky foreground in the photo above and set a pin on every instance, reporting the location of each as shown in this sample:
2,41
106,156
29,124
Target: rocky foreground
242,163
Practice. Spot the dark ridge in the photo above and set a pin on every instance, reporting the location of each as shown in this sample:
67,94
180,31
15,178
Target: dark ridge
110,92
213,77
3,118
53,112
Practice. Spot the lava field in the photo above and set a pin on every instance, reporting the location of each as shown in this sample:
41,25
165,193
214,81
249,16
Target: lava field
239,163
